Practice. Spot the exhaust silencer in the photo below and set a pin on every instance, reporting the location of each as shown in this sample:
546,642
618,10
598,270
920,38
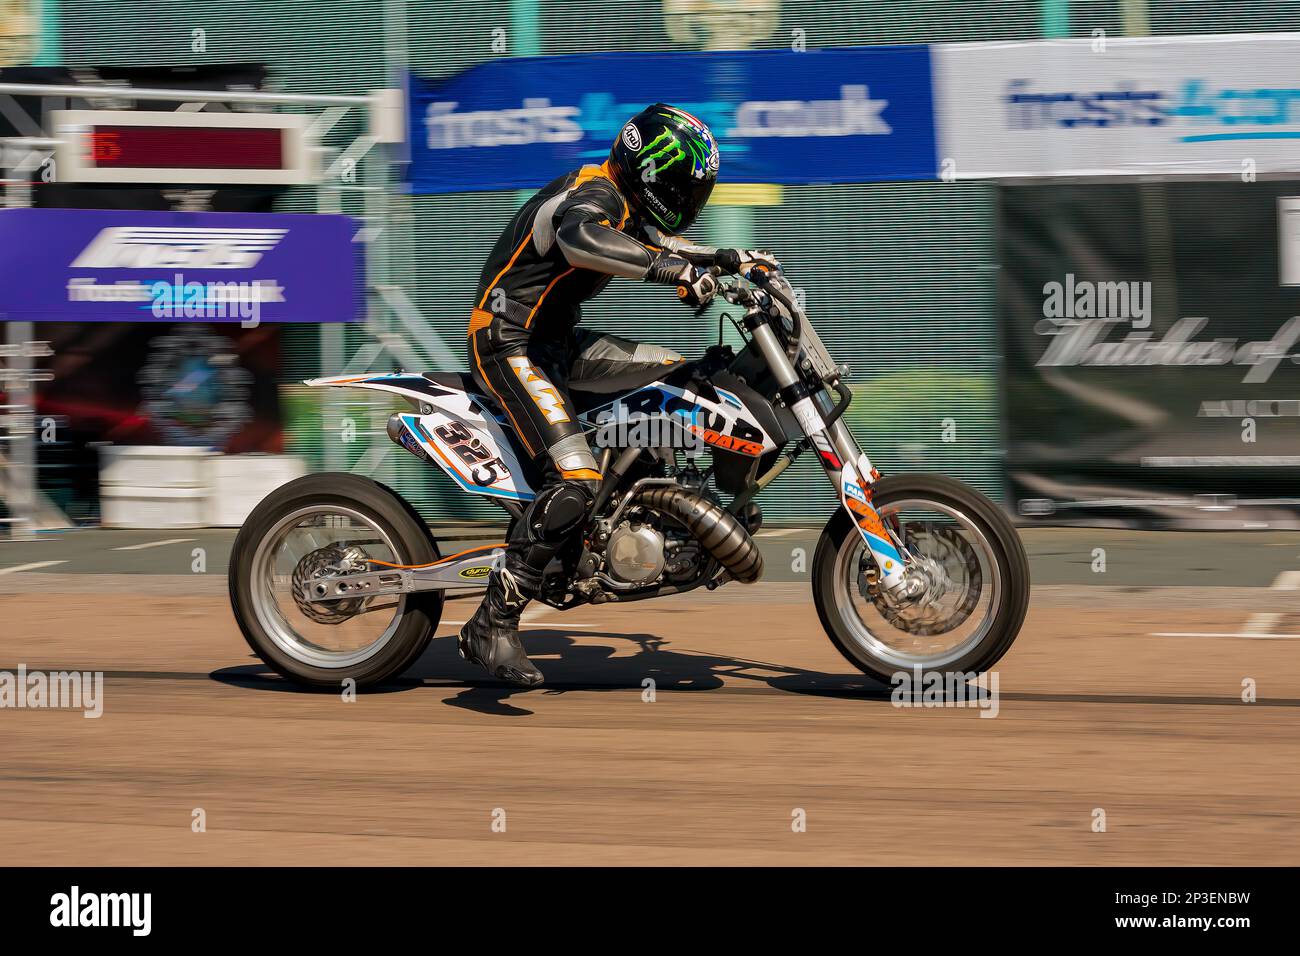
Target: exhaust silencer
716,529
401,434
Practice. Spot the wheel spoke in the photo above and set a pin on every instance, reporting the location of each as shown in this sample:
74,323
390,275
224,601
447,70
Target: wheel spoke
312,542
947,552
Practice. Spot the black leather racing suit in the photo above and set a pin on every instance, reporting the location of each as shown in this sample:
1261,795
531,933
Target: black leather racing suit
559,250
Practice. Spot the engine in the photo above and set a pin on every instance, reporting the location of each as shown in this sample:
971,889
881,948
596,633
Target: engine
635,553
647,549
665,533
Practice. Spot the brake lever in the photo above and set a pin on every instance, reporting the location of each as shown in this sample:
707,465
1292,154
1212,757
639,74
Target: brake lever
715,272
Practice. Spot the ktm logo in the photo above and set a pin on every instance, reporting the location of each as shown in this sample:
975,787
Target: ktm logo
541,391
868,519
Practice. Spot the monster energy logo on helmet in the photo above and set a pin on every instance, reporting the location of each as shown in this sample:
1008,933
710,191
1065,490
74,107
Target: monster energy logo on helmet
669,150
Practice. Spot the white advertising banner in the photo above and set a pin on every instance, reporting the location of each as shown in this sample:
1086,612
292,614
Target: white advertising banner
1105,106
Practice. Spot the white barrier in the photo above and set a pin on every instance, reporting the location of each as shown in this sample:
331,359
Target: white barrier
164,487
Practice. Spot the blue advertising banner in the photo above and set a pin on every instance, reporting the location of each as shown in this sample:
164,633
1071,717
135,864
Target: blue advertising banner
855,114
93,265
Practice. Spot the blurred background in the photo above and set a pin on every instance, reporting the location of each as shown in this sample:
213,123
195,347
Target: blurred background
926,285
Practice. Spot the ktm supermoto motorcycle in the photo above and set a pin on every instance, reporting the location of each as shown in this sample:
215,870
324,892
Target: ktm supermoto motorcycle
335,576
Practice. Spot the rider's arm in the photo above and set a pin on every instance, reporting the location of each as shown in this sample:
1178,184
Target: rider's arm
736,261
589,239
690,251
588,236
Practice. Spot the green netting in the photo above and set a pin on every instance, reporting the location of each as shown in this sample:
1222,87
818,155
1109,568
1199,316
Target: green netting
899,277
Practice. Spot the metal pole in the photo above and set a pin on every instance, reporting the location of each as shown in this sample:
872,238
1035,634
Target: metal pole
50,53
185,96
329,201
1137,22
22,450
526,38
1055,16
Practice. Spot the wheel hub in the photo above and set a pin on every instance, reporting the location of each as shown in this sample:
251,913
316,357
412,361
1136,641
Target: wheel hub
325,562
941,586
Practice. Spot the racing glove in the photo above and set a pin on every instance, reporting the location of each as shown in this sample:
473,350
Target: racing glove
741,261
696,287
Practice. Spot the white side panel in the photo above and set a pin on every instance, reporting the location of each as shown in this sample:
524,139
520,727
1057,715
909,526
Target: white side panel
715,424
471,446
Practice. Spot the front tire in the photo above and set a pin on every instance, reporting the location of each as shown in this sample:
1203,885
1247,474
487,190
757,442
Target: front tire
851,614
280,539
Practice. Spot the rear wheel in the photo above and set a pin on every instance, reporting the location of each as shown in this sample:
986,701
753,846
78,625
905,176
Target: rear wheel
317,526
964,550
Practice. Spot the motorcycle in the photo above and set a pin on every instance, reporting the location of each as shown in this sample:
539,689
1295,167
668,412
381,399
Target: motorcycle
336,577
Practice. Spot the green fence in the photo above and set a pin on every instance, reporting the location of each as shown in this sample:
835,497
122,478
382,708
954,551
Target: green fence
900,278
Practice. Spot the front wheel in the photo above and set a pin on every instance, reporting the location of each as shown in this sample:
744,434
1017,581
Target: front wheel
318,526
960,546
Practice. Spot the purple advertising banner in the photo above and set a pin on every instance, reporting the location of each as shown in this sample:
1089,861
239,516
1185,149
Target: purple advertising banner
93,265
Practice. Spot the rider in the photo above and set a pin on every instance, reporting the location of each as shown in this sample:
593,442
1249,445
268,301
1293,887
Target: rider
617,219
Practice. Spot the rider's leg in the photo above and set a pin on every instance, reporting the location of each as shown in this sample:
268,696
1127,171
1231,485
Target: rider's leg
527,380
617,363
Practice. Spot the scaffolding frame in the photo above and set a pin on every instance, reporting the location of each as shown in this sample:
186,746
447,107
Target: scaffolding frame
365,168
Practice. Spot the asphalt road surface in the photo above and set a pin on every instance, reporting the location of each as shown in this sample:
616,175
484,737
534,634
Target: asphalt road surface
1121,735
1059,555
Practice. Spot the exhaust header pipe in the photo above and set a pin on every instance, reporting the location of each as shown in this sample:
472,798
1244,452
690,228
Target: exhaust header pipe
715,528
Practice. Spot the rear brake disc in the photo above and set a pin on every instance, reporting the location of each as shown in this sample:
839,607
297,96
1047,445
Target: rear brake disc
327,562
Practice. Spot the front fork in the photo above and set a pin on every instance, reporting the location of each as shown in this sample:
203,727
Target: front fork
847,466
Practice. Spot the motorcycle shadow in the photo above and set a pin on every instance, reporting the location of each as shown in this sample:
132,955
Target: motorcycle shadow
604,661
611,661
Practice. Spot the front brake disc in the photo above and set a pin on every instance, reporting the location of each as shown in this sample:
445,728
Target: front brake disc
953,586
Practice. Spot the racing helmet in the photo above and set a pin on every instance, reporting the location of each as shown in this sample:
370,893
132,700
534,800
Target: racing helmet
665,161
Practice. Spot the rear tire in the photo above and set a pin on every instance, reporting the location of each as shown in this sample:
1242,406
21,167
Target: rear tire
412,543
841,533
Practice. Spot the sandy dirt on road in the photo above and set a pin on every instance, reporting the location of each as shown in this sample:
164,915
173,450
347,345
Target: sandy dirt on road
756,717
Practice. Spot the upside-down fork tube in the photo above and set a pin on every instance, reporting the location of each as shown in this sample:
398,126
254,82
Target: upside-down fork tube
854,479
846,465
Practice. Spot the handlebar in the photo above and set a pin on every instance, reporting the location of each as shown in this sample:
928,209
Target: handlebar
763,291
766,292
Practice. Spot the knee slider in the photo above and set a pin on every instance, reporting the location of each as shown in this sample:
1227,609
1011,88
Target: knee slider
559,511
